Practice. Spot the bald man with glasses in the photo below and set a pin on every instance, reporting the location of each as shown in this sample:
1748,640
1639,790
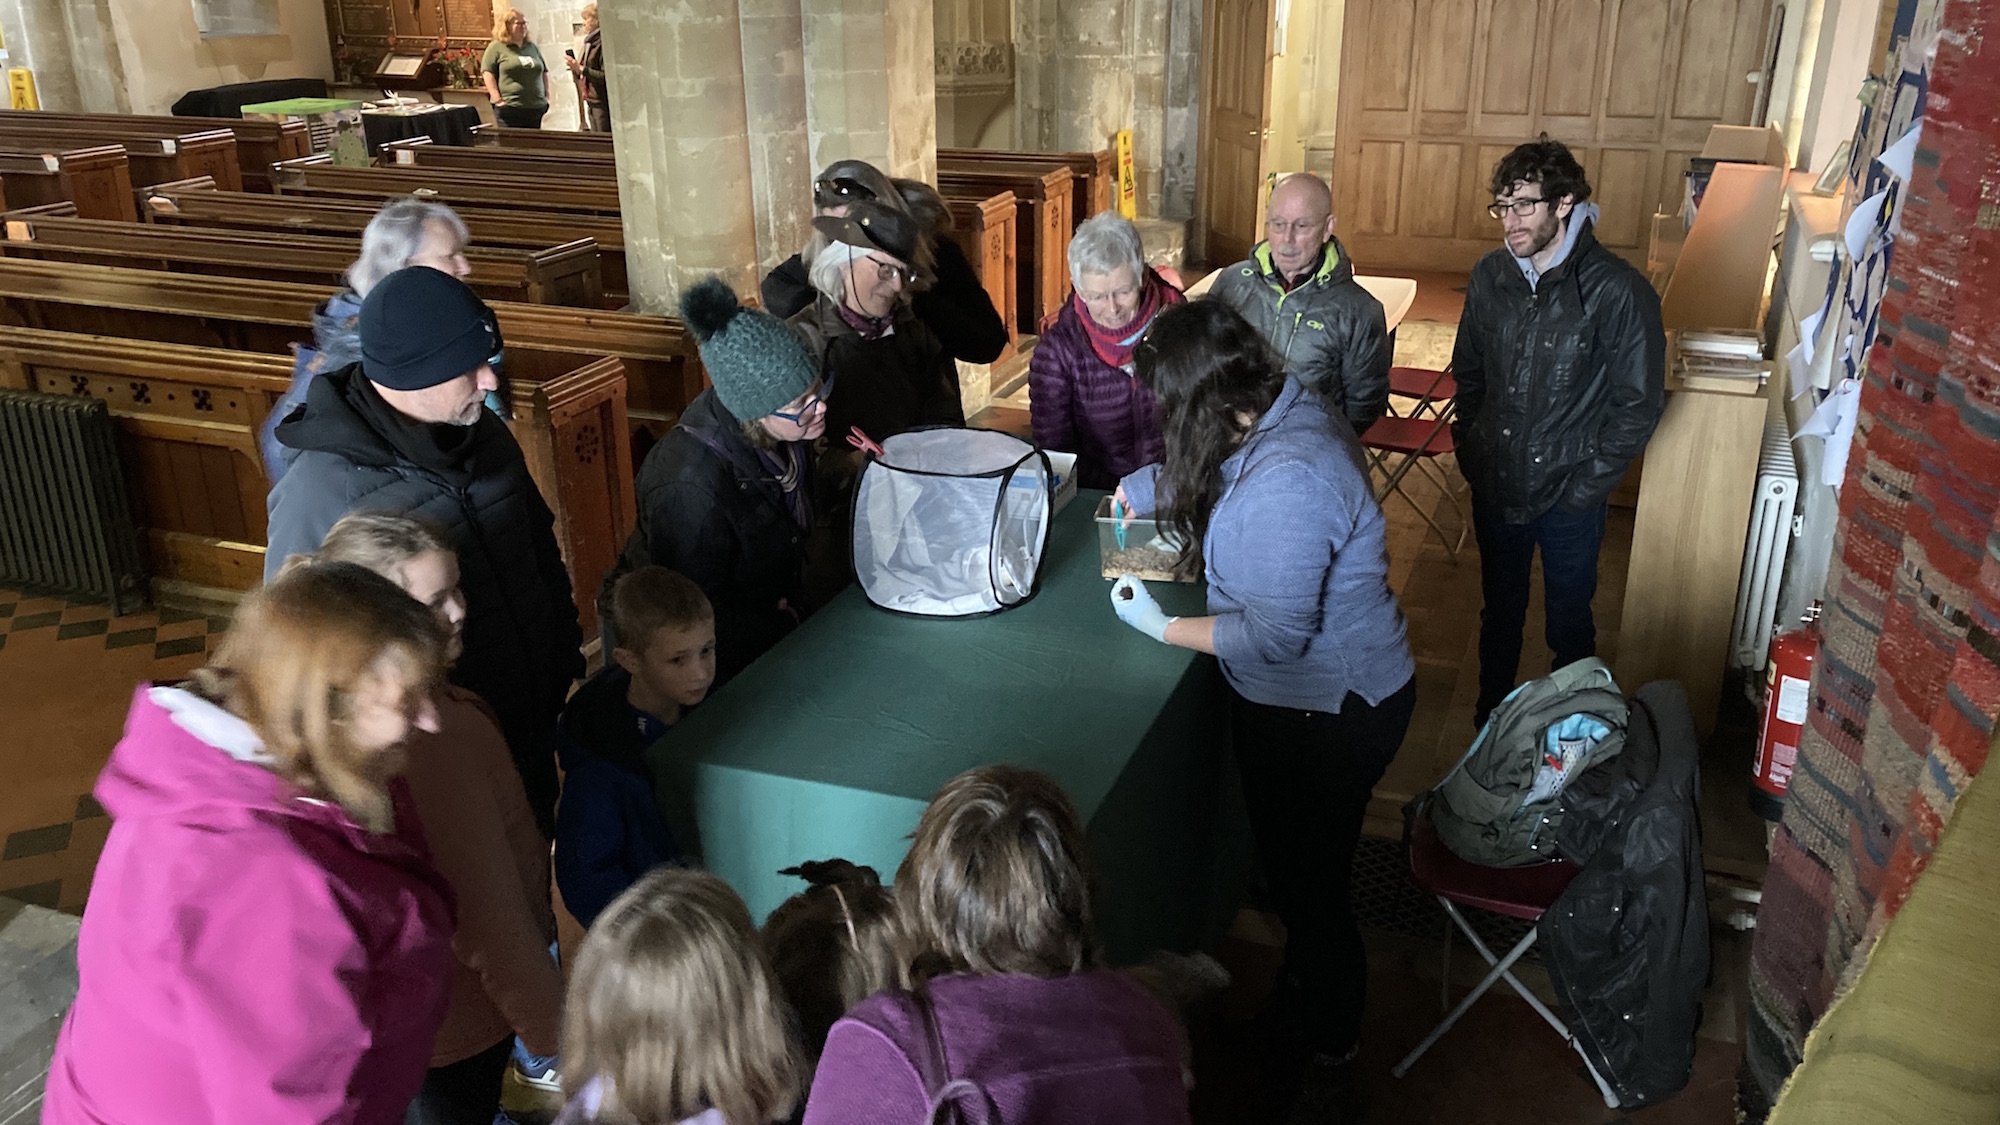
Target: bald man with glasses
1298,289
1561,367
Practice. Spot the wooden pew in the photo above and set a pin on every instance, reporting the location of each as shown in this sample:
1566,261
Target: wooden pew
1095,182
554,166
986,233
259,144
189,418
663,370
565,274
1042,200
97,180
517,230
153,159
318,176
540,140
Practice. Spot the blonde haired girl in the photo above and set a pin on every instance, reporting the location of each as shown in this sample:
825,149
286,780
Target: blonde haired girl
484,841
674,1015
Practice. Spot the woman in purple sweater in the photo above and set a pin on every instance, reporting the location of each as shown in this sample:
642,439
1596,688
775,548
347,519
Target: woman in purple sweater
1011,1019
1267,491
1082,395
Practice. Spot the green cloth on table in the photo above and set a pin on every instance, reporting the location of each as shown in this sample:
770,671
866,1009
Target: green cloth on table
832,743
519,71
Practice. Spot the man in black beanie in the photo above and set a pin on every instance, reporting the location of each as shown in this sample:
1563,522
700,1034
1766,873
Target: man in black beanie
405,431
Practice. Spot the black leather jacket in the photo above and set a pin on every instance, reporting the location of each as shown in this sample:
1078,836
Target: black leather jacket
1626,945
1559,385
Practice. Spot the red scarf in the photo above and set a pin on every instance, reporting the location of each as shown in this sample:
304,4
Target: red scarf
1114,345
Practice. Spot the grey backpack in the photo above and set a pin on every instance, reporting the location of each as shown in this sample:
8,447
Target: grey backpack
1500,805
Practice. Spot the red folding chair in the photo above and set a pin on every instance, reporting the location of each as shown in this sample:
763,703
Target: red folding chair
1432,390
1416,442
1515,892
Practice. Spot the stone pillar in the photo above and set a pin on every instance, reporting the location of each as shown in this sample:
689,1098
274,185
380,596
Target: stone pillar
725,110
871,84
1085,69
711,169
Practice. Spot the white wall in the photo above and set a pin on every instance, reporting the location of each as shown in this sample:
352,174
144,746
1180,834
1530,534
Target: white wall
163,57
553,28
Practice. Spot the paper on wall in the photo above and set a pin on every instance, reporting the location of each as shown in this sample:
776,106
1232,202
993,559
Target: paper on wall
1900,158
1809,332
1798,367
1833,423
1861,224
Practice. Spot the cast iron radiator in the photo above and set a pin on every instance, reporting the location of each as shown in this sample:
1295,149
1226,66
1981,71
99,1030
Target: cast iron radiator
65,524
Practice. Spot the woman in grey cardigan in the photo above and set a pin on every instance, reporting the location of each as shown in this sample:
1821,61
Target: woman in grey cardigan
1267,492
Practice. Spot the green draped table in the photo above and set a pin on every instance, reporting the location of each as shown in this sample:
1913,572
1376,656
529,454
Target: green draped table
832,743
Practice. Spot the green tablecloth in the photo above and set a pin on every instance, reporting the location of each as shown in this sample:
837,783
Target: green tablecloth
832,743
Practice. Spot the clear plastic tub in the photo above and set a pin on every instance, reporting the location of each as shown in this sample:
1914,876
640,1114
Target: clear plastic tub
1149,551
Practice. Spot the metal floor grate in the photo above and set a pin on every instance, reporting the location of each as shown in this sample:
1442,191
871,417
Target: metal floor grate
1385,899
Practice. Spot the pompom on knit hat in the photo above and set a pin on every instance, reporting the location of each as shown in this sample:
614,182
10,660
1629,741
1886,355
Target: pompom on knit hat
755,361
421,327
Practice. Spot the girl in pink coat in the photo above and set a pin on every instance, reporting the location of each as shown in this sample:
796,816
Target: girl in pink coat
266,939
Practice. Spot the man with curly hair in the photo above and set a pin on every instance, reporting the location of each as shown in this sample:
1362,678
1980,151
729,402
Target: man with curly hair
1560,364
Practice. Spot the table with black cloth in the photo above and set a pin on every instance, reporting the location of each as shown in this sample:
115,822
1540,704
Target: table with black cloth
443,124
832,743
228,101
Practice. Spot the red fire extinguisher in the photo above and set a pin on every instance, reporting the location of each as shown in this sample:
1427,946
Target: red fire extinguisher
1785,690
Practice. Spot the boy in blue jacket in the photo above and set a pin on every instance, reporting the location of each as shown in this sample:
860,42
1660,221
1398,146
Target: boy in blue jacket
610,828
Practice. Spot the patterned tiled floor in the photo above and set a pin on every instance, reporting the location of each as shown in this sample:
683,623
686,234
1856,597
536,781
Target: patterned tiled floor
69,667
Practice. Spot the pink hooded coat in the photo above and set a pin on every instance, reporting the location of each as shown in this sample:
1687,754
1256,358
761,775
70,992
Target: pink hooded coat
247,954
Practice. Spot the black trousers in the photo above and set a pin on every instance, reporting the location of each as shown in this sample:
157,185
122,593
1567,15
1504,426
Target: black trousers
466,1092
520,117
1307,777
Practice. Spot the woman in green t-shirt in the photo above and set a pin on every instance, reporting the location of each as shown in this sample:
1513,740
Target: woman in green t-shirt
516,77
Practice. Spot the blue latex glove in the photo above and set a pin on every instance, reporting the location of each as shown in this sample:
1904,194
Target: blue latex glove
1135,606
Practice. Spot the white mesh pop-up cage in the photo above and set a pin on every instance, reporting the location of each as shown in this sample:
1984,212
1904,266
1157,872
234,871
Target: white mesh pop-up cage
952,522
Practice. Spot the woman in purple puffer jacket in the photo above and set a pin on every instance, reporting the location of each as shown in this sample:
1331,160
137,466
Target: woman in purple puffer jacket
1082,395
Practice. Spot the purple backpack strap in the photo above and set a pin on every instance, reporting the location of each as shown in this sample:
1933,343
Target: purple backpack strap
932,1068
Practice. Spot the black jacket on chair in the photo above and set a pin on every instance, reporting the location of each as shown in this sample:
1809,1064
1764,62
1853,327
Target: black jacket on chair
1559,384
1626,946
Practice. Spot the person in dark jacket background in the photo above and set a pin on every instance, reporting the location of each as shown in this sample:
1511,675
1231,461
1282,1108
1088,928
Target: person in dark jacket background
1298,289
1561,368
1083,395
725,497
945,293
405,431
611,828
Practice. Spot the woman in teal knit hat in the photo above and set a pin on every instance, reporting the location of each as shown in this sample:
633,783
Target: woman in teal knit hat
723,498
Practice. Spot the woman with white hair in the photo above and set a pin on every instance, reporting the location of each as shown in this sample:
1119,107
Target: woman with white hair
885,372
1082,395
405,232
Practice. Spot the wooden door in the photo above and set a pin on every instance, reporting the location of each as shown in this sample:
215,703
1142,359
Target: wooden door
1235,116
1434,93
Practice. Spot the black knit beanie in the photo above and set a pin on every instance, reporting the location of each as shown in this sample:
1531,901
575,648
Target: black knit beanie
421,327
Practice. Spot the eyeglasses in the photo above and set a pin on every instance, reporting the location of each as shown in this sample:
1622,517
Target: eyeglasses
1520,207
839,191
891,271
814,398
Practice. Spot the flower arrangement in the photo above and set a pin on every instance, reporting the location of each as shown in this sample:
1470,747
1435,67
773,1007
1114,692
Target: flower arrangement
461,66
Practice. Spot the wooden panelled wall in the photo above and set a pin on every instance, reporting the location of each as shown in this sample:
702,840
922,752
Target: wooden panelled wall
360,30
1435,92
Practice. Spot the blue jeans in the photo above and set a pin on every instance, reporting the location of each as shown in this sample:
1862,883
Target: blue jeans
1569,542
